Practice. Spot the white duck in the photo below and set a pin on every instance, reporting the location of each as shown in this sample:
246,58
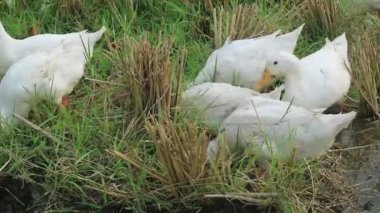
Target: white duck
276,128
215,101
14,49
315,81
50,73
242,62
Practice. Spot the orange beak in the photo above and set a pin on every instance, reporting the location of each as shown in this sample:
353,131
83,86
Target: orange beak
64,102
265,80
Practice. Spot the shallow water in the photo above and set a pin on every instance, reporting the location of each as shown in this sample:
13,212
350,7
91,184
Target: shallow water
361,145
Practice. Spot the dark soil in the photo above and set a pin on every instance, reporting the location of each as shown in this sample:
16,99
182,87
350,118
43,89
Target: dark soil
17,195
220,205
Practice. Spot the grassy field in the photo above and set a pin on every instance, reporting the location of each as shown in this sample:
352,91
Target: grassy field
122,143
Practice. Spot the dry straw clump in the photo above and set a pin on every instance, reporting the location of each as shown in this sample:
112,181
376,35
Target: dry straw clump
365,52
181,153
210,4
241,21
322,17
151,77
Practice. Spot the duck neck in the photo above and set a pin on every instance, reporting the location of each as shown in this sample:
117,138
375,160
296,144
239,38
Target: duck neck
293,81
5,38
294,73
8,47
6,41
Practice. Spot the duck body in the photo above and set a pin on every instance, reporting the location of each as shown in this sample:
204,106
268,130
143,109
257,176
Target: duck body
318,80
215,101
41,75
277,128
242,62
13,50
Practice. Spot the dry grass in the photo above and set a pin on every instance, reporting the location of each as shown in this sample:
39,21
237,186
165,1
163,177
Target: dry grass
186,175
185,166
182,165
209,5
365,73
147,72
241,21
322,17
309,187
69,7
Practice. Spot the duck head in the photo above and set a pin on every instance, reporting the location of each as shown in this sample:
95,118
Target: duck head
280,64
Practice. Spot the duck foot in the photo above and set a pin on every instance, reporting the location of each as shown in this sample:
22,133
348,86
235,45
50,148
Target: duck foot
337,108
64,102
264,174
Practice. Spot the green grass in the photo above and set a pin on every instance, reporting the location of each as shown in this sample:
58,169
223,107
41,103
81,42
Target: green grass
103,154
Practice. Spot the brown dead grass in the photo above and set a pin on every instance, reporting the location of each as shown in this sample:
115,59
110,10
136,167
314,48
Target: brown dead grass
181,152
322,17
151,77
208,5
241,21
365,52
182,167
69,7
309,187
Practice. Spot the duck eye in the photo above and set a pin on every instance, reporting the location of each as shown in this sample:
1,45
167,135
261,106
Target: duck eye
275,62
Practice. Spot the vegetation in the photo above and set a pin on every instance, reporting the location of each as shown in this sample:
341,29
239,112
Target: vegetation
123,144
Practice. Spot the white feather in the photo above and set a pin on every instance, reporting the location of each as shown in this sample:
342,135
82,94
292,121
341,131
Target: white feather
315,81
242,62
41,75
13,50
276,128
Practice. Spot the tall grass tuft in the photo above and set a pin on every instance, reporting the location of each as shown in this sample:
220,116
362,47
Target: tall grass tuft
322,17
366,69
